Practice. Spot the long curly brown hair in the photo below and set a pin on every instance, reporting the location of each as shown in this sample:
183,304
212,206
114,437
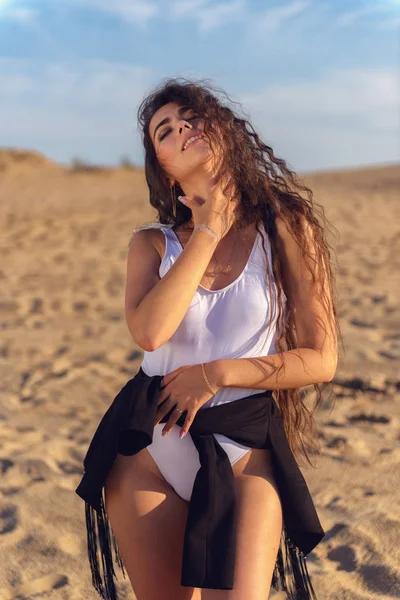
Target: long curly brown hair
268,189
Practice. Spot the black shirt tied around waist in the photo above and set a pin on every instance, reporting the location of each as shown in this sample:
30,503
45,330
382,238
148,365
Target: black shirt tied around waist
209,542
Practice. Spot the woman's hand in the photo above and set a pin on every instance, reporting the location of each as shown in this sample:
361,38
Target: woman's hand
217,211
185,389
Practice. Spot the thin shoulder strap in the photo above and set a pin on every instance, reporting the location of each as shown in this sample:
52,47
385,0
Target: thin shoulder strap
149,226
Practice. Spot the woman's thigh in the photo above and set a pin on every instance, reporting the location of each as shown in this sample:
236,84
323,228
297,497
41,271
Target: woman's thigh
148,519
258,527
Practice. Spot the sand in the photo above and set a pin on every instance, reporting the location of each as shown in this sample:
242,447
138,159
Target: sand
65,351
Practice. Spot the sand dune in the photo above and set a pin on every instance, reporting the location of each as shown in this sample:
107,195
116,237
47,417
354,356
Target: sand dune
65,351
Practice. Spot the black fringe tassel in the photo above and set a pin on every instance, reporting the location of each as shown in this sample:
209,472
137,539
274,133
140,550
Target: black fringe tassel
290,572
99,534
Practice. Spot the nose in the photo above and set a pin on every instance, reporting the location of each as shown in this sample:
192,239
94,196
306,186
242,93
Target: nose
185,124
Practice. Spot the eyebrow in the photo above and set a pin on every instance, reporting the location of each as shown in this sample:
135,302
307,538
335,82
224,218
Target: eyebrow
181,111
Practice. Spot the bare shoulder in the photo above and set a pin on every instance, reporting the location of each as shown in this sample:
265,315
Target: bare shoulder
296,267
285,232
150,237
283,229
143,263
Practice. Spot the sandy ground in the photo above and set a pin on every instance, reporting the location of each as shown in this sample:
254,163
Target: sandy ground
65,351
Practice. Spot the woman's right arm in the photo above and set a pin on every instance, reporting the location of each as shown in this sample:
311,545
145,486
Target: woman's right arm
154,307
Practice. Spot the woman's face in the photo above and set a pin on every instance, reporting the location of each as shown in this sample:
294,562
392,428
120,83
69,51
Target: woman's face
170,127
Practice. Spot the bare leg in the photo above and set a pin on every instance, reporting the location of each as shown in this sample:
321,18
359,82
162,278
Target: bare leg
259,527
148,519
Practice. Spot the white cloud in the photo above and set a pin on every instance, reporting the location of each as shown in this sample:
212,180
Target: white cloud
346,117
62,110
385,8
273,18
184,8
138,12
134,11
352,16
208,16
366,95
390,23
22,15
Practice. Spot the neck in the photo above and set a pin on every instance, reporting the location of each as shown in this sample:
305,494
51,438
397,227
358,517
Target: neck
202,186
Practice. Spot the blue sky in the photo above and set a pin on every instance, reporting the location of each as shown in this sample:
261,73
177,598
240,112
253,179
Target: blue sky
319,79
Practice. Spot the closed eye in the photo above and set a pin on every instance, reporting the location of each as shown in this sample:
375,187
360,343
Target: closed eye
164,135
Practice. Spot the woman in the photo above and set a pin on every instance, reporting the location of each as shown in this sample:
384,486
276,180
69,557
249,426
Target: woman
229,293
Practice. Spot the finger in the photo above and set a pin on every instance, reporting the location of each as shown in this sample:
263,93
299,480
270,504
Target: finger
173,374
160,414
188,421
164,395
163,410
171,422
170,377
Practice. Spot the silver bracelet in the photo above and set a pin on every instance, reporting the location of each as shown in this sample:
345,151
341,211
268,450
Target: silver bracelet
208,229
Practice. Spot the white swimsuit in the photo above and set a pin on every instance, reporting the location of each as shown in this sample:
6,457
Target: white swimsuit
237,321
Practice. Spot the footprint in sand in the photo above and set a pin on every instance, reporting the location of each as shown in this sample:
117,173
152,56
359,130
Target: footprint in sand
369,418
377,577
334,423
69,468
345,556
389,355
134,355
35,588
380,579
35,469
80,306
8,519
334,531
10,491
337,442
363,323
5,464
332,503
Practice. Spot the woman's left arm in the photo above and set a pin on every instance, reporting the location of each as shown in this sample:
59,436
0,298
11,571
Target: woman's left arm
315,359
